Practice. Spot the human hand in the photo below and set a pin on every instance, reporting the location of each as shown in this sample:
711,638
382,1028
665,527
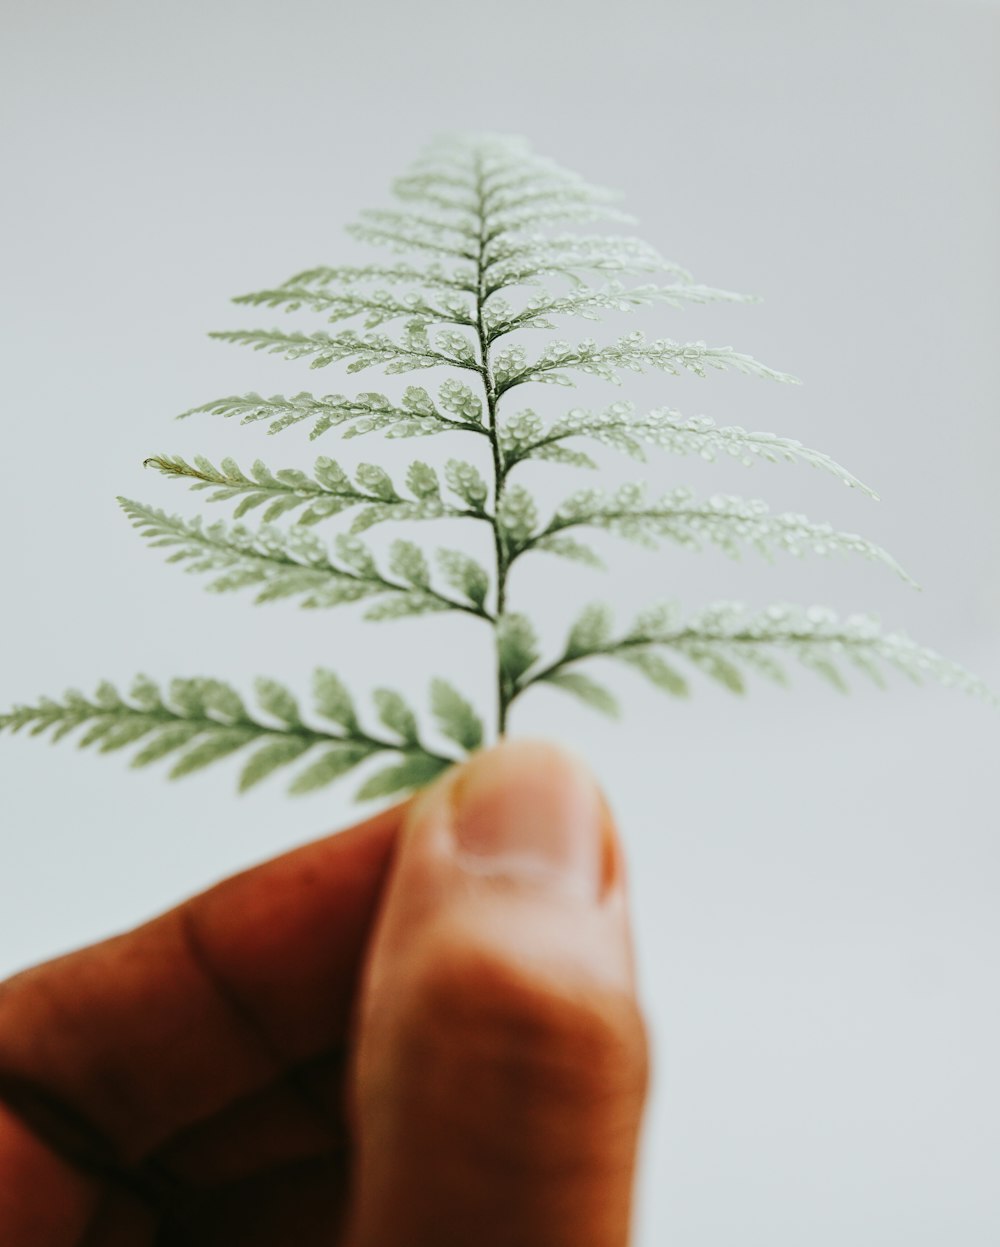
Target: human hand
421,1032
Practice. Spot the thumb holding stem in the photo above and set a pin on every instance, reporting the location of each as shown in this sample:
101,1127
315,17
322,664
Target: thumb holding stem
500,1066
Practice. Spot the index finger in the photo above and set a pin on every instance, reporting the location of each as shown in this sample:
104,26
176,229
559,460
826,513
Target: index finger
148,1033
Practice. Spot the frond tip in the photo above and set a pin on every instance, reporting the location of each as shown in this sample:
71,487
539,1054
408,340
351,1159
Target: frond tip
197,722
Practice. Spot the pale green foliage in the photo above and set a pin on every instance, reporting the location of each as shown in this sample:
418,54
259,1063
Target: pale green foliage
414,415
517,518
466,480
517,647
501,318
725,638
295,562
586,689
724,521
632,352
465,576
568,548
199,721
486,270
618,426
328,491
456,718
410,351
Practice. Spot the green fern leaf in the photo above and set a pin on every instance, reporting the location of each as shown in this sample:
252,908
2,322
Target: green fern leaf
590,633
466,482
396,715
525,437
414,771
432,277
271,757
632,352
725,521
220,744
293,564
416,415
517,646
330,766
586,690
567,548
465,575
517,518
333,701
656,669
205,720
375,308
499,257
590,304
456,717
169,739
278,702
126,732
328,492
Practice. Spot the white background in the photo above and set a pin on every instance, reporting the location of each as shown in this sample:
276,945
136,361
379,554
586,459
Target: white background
815,877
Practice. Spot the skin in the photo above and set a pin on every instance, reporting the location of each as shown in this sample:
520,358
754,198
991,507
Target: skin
420,1032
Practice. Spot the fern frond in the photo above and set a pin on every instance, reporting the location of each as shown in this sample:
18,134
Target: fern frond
536,181
509,200
593,252
433,277
517,649
401,232
377,308
726,638
327,492
523,436
584,689
485,215
633,352
455,716
465,575
532,215
725,521
440,190
527,261
295,563
517,521
567,548
501,319
369,350
201,721
415,771
504,183
433,227
416,415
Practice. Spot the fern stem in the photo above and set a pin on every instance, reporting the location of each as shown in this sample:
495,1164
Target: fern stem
489,385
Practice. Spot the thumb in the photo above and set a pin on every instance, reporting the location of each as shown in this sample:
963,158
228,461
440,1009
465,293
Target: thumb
499,1070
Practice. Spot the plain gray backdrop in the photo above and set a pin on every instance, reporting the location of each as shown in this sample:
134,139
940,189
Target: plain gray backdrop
815,877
